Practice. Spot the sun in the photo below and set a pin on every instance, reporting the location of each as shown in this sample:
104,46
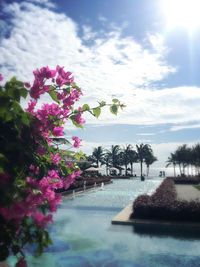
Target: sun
182,13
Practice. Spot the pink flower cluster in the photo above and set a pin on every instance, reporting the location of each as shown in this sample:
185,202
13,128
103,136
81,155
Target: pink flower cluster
50,118
45,193
76,141
79,119
55,158
48,121
47,126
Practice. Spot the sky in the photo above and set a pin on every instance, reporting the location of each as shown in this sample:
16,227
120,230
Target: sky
145,53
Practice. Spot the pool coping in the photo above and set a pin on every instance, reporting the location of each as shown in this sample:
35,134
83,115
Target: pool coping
123,218
81,190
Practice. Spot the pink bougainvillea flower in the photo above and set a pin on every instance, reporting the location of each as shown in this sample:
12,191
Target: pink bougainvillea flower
53,174
1,77
27,85
37,171
21,263
4,178
69,164
76,141
42,220
45,88
58,131
35,90
32,167
59,81
79,119
31,106
41,151
55,158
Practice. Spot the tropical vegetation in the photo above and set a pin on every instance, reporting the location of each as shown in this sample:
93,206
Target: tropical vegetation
123,158
186,159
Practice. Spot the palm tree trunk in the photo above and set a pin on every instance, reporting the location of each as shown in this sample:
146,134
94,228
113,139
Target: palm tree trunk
147,170
174,170
141,168
180,168
125,169
131,169
107,170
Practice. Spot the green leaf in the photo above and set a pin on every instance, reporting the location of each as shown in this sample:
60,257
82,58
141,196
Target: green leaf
114,109
115,100
25,119
1,170
85,107
76,87
17,108
96,111
13,80
77,156
53,95
2,156
122,106
23,92
77,125
102,104
68,89
72,117
8,117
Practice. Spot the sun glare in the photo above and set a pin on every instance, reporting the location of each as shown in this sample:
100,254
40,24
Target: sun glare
182,13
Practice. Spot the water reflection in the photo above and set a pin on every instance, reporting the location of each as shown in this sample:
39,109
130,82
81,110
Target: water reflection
163,231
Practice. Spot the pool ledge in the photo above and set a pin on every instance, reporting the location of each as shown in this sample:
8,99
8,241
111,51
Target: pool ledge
123,218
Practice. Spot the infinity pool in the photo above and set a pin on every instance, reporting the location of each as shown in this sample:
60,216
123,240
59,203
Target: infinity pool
83,235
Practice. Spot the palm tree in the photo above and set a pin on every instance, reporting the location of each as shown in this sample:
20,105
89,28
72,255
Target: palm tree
196,157
172,160
97,156
133,158
113,154
106,161
149,160
125,156
182,156
142,151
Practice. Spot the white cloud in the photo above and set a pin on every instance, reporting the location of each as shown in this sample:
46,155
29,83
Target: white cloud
47,3
182,127
145,134
102,18
88,34
111,67
139,141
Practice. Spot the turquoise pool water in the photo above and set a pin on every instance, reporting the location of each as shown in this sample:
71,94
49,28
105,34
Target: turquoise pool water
84,236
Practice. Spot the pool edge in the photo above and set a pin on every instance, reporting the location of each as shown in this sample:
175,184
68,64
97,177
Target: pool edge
123,218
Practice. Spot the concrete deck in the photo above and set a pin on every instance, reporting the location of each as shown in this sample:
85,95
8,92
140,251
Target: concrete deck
187,192
124,216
